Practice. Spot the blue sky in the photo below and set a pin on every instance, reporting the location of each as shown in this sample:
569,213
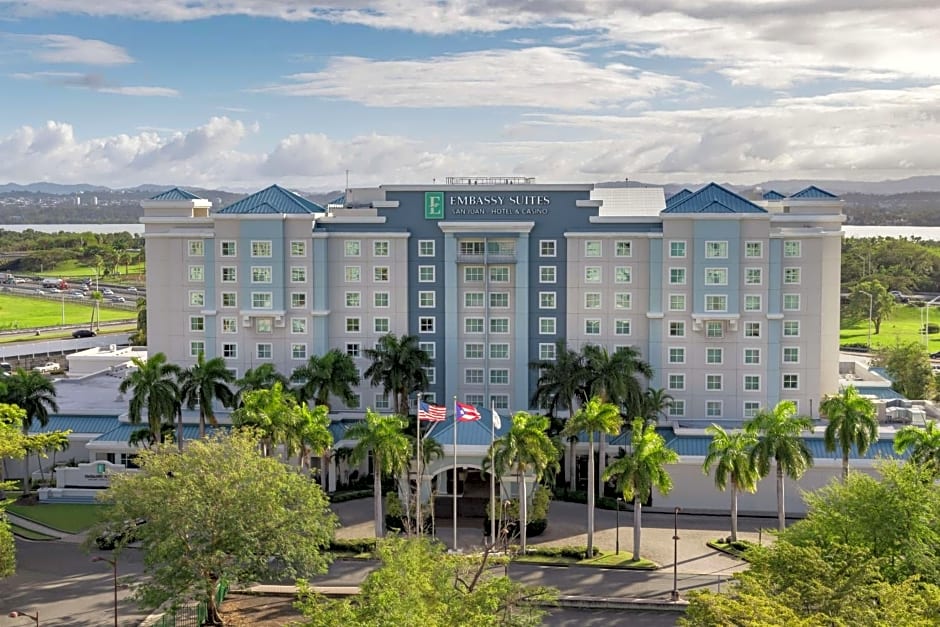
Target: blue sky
243,93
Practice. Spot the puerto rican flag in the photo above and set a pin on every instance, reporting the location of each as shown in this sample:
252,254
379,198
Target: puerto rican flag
465,413
432,413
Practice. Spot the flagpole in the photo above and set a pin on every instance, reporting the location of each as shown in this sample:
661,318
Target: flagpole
455,475
492,476
420,521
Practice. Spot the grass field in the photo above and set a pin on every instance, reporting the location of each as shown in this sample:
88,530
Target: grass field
64,517
20,312
903,326
134,274
29,534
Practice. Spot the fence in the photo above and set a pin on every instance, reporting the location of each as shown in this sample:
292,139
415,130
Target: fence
192,614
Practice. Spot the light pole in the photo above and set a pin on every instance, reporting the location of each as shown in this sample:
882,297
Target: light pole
21,613
618,526
113,562
675,558
871,302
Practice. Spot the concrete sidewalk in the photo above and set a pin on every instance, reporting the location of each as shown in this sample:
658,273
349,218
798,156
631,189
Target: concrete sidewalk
74,538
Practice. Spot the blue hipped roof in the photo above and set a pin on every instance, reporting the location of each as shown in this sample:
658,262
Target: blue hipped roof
678,197
273,200
175,194
122,432
473,433
77,424
697,446
713,198
813,192
773,195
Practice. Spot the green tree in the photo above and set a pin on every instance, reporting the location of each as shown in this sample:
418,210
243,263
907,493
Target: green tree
730,454
614,376
262,377
525,447
152,383
96,297
218,511
333,374
399,367
560,381
272,412
880,303
923,444
596,416
852,423
640,470
35,394
202,384
12,441
656,402
7,548
385,438
139,337
780,433
307,432
908,365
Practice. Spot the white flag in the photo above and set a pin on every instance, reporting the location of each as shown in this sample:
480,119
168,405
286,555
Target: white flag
497,423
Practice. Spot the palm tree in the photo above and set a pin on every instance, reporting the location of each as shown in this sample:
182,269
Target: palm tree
641,470
852,422
139,338
781,442
656,402
391,453
307,432
35,394
595,416
333,374
526,446
204,383
154,388
730,453
97,297
398,366
924,445
261,378
560,380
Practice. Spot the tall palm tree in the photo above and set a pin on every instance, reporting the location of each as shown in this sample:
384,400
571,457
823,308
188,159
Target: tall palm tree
97,297
852,422
640,470
261,378
333,374
307,432
595,416
35,394
202,384
526,446
656,402
384,436
154,389
398,366
730,453
560,380
780,433
139,337
924,445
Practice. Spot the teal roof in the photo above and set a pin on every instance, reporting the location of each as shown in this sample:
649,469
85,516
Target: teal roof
697,445
474,433
273,200
713,198
773,195
879,392
122,432
77,424
678,197
340,427
176,194
813,192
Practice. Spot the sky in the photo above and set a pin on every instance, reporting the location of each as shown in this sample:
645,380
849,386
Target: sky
240,94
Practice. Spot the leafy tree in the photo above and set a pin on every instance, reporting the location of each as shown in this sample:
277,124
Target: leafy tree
613,376
391,453
97,297
908,365
12,441
152,384
217,511
274,414
7,547
780,433
560,381
923,444
525,447
656,402
596,416
307,432
139,337
204,383
852,422
730,454
333,374
640,470
398,366
43,443
881,303
34,393
262,377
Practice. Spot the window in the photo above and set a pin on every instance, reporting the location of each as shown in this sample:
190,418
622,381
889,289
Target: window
354,402
197,323
230,351
353,349
547,274
713,409
499,401
677,249
353,299
473,325
425,274
752,329
471,247
197,274
380,325
547,248
714,328
229,325
677,408
229,299
623,249
791,355
676,382
716,250
592,274
298,248
380,248
499,300
791,328
197,298
261,248
474,399
381,401
227,248
431,374
426,299
677,355
677,302
499,376
592,300
298,325
196,248
791,276
676,328
713,382
714,356
752,356
592,327
473,376
716,276
260,274
547,326
298,351
752,302
196,347
473,299
716,302
623,274
298,300
791,382
499,274
229,274
621,327
499,325
473,350
677,276
791,302
753,276
753,250
623,300
380,300
546,300
752,383
426,324
261,300
353,325
792,248
426,248
428,347
592,248
264,351
473,274
751,408
380,274
352,248
353,274
298,274
547,351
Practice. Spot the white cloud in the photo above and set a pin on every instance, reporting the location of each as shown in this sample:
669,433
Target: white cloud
73,50
96,82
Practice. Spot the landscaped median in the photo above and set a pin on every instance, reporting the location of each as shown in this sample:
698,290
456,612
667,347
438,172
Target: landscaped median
64,517
575,556
738,548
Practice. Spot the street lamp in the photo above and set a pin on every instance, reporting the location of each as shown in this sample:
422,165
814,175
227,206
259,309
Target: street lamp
21,613
675,558
619,498
113,562
871,302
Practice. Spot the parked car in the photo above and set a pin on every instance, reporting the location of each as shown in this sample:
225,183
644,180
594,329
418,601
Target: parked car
77,333
50,367
935,355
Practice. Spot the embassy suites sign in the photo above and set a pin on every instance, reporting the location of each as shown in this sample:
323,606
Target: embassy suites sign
484,205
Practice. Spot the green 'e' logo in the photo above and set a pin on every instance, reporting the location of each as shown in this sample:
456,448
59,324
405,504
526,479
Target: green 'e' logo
433,205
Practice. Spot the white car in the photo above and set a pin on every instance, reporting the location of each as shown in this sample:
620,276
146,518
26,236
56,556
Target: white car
50,367
107,292
132,289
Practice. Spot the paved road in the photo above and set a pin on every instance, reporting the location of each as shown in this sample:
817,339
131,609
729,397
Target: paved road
609,618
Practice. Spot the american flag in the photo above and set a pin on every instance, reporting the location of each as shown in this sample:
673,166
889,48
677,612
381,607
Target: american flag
466,413
433,413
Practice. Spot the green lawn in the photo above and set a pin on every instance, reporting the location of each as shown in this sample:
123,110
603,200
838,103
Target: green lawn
23,312
74,270
904,325
29,534
64,517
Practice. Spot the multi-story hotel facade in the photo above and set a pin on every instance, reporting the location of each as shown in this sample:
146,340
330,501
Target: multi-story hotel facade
733,302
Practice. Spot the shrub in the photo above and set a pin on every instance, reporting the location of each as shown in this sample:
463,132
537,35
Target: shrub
349,495
353,545
931,328
570,552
